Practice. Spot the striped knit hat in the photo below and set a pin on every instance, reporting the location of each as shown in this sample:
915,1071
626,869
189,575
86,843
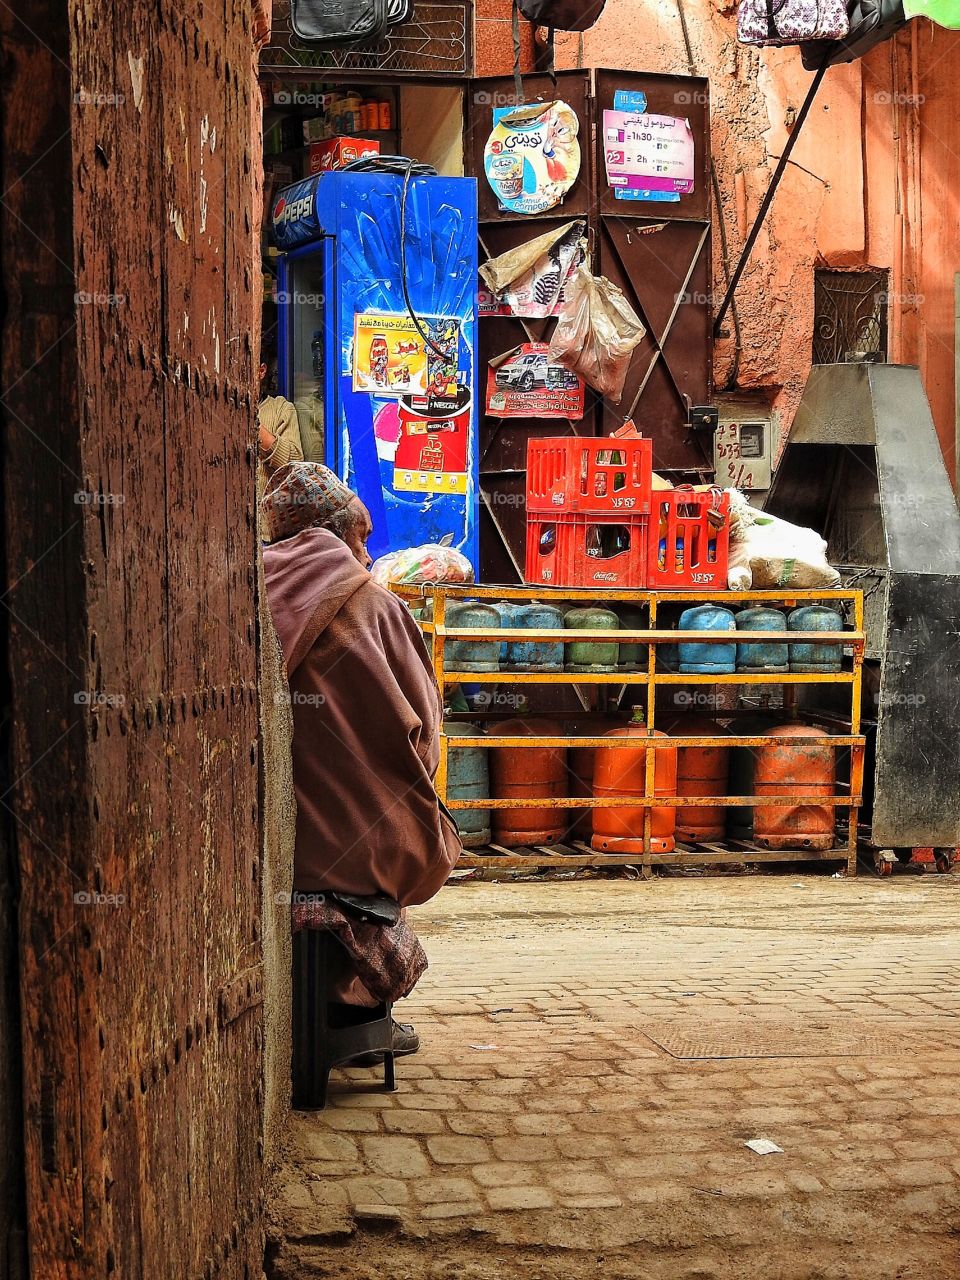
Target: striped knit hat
299,496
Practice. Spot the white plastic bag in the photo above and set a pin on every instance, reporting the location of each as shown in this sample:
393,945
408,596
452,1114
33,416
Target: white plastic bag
430,563
767,552
596,332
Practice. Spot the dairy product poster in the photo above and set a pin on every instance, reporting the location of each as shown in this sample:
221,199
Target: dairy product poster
648,157
532,157
390,357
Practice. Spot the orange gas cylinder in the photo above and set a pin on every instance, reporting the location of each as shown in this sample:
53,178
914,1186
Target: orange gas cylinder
580,765
701,771
786,766
621,771
525,773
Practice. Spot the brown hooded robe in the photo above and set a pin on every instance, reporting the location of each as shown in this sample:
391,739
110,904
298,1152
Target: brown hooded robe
366,715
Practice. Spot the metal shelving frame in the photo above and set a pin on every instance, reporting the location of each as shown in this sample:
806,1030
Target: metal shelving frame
498,858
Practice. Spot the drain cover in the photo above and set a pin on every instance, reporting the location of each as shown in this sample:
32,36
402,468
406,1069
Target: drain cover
814,1039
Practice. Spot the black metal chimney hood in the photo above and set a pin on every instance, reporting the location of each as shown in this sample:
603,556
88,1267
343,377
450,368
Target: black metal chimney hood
863,466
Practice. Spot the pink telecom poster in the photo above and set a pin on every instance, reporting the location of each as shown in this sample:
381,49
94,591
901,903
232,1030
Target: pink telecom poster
648,157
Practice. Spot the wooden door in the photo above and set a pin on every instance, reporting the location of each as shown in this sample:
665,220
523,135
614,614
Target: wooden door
130,541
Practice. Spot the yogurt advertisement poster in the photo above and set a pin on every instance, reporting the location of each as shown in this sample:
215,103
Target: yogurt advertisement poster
532,157
648,157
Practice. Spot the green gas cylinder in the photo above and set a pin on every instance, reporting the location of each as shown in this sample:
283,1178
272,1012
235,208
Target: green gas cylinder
591,655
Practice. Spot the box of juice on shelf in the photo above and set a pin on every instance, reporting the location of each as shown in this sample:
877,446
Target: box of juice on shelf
334,153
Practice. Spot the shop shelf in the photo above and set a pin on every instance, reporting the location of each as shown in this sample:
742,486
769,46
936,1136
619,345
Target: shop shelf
572,854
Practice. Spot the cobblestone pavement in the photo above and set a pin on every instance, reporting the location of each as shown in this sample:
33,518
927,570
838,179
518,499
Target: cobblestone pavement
595,1055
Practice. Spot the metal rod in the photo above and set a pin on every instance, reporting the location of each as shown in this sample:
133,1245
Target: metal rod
768,199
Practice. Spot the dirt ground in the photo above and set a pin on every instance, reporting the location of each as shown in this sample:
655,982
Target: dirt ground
597,1053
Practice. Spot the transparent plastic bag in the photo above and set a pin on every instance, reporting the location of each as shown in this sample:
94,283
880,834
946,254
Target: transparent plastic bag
430,563
596,333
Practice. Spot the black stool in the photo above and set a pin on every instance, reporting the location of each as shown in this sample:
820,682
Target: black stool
326,1033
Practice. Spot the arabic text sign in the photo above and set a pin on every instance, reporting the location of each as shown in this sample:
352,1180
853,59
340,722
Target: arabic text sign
648,152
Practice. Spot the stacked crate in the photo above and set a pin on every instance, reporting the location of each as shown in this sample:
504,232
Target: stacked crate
594,519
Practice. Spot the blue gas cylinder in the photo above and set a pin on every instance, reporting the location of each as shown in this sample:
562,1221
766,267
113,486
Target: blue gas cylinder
535,655
469,655
815,657
468,778
507,611
764,656
708,659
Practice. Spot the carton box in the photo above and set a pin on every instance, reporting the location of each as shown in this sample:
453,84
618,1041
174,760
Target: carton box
334,153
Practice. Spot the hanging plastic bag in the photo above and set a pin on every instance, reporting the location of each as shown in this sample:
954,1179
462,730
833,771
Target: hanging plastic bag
530,280
429,563
596,333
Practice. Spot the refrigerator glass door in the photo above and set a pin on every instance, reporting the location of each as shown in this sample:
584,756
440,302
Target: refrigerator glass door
305,369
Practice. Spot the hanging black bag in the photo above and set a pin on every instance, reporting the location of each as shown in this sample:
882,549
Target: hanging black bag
398,11
871,22
555,15
337,22
562,15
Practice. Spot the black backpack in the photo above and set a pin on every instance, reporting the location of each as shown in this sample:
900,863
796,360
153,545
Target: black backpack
555,15
562,15
871,22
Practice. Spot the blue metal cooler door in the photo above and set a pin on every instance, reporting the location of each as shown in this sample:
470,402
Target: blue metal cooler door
406,418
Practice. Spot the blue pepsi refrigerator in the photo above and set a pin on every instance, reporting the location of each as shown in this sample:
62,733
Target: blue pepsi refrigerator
385,398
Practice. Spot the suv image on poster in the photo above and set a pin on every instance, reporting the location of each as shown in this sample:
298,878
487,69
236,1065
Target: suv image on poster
526,383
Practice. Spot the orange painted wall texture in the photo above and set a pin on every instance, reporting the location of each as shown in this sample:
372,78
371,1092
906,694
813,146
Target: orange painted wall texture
874,181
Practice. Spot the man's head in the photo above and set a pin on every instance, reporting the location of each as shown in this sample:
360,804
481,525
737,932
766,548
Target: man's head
305,495
268,372
353,526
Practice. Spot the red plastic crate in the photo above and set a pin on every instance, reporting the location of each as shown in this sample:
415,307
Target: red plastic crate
583,550
594,475
689,543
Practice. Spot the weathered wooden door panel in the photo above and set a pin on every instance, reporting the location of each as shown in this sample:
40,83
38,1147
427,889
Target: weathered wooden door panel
663,268
135,698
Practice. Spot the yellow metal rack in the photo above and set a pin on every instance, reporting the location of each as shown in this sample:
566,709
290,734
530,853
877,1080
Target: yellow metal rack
574,853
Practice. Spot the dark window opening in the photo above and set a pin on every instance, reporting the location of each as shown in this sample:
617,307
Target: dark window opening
850,317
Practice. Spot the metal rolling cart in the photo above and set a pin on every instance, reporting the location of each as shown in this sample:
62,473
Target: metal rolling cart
575,853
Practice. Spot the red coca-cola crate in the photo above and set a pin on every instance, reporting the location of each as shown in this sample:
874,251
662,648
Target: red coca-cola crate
585,550
593,475
689,542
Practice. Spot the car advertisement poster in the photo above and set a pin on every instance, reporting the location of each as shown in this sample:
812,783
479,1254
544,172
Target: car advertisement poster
648,157
391,358
525,384
532,156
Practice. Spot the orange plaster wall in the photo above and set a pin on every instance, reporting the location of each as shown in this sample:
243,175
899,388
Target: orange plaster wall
851,196
936,58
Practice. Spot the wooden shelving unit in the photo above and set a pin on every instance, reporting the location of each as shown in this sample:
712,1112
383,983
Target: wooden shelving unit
573,854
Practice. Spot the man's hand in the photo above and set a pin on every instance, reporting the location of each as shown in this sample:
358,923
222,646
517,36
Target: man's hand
267,441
